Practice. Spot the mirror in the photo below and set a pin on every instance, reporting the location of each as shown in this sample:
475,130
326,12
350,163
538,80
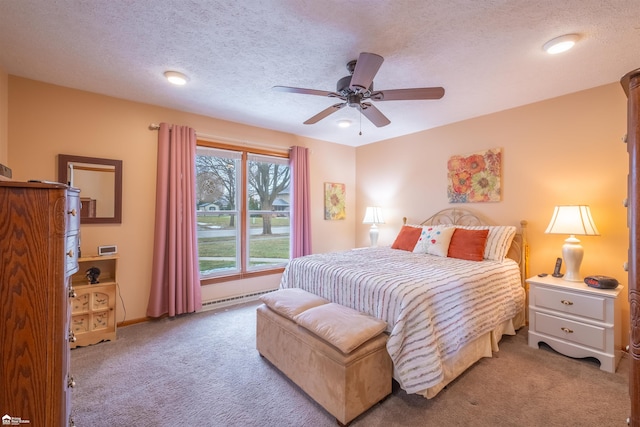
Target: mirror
100,184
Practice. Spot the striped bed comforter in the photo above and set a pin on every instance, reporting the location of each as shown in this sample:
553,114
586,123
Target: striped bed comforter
432,305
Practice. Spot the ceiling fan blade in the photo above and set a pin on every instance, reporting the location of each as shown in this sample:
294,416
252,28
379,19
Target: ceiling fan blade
324,113
305,91
367,66
408,94
374,115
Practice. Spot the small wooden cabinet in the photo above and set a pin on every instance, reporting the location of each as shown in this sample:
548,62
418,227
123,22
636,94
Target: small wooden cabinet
93,309
575,319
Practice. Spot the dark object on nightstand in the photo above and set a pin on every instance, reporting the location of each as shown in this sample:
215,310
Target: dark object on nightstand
556,270
601,282
92,275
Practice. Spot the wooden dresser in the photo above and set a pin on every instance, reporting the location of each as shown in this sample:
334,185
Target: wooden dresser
39,226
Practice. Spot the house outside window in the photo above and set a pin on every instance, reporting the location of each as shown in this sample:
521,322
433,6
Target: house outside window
242,210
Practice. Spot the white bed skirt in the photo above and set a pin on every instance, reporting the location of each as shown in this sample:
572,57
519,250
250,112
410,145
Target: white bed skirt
484,346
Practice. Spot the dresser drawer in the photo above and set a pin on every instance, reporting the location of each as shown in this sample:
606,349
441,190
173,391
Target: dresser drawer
568,330
73,211
588,306
71,254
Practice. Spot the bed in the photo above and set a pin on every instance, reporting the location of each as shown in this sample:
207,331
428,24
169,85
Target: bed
443,313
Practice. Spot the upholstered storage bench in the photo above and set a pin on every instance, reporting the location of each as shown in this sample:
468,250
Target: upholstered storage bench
335,354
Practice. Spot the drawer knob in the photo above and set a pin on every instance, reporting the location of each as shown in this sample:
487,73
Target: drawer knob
72,212
566,302
566,330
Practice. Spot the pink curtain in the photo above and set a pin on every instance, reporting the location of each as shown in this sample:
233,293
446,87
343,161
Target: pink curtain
175,280
300,201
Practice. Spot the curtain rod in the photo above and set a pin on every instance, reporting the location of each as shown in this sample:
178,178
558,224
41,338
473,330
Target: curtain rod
216,138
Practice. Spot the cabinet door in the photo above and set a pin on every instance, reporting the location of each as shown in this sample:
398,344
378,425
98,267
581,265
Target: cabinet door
631,86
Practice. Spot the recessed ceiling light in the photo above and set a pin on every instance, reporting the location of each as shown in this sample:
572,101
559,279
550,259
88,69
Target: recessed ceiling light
344,123
176,77
560,44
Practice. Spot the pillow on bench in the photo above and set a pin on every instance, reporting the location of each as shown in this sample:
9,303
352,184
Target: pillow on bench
291,302
341,326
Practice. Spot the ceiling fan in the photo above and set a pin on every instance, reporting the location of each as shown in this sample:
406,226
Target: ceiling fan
357,88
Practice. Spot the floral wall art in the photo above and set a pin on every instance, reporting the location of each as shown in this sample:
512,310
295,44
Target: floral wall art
334,201
475,177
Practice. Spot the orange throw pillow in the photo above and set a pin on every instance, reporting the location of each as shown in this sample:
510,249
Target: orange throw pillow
468,244
407,238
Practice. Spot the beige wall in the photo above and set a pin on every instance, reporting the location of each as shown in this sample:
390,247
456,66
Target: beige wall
566,150
47,120
560,151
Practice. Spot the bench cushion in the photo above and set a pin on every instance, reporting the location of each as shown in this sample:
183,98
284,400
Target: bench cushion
291,302
341,326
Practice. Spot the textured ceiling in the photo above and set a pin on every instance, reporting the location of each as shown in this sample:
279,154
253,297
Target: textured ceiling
485,53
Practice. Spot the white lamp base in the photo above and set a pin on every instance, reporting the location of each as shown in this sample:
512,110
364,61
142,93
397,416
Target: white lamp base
373,235
572,252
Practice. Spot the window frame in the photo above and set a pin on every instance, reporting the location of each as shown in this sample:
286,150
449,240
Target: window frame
244,208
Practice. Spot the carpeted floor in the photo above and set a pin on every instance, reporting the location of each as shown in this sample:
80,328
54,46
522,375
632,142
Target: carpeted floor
204,370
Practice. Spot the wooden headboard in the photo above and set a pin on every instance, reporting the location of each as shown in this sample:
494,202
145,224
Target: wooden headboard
518,251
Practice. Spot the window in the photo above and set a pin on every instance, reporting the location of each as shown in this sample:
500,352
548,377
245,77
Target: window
242,209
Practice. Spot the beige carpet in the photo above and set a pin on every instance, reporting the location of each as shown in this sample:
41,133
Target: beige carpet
203,370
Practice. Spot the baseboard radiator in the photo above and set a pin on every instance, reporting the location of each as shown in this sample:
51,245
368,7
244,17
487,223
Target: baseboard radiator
226,302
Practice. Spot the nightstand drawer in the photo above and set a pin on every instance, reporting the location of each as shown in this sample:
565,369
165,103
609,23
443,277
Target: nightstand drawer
593,307
568,330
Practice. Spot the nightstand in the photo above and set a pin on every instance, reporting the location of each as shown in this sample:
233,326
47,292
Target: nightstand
575,319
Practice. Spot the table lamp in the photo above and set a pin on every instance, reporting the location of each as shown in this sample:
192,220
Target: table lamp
572,220
373,216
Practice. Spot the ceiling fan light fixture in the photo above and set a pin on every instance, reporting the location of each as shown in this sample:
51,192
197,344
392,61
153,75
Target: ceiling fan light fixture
176,78
344,123
560,44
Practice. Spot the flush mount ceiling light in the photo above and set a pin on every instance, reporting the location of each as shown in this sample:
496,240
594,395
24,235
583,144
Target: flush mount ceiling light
176,77
560,44
344,123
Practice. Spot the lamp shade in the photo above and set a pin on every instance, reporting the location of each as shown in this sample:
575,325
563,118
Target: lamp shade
574,220
373,215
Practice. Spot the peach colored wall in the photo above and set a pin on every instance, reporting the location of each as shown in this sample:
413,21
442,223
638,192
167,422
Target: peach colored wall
47,120
4,117
566,150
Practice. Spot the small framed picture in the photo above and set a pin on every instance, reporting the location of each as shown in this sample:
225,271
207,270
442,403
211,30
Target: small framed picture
334,201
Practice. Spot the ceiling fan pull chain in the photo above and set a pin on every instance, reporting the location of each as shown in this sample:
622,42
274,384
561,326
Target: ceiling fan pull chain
360,121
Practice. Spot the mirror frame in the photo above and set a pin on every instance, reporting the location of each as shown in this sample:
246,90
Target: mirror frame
63,166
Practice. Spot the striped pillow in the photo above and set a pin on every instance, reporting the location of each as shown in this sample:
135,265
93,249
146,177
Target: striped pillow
498,241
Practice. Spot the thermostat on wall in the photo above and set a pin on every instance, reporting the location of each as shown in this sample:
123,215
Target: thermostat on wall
107,250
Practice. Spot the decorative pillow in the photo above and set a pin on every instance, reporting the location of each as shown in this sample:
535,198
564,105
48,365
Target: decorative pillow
407,238
434,240
468,244
341,326
498,241
291,302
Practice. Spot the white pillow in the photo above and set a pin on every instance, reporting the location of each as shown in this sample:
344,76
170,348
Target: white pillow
498,241
434,240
